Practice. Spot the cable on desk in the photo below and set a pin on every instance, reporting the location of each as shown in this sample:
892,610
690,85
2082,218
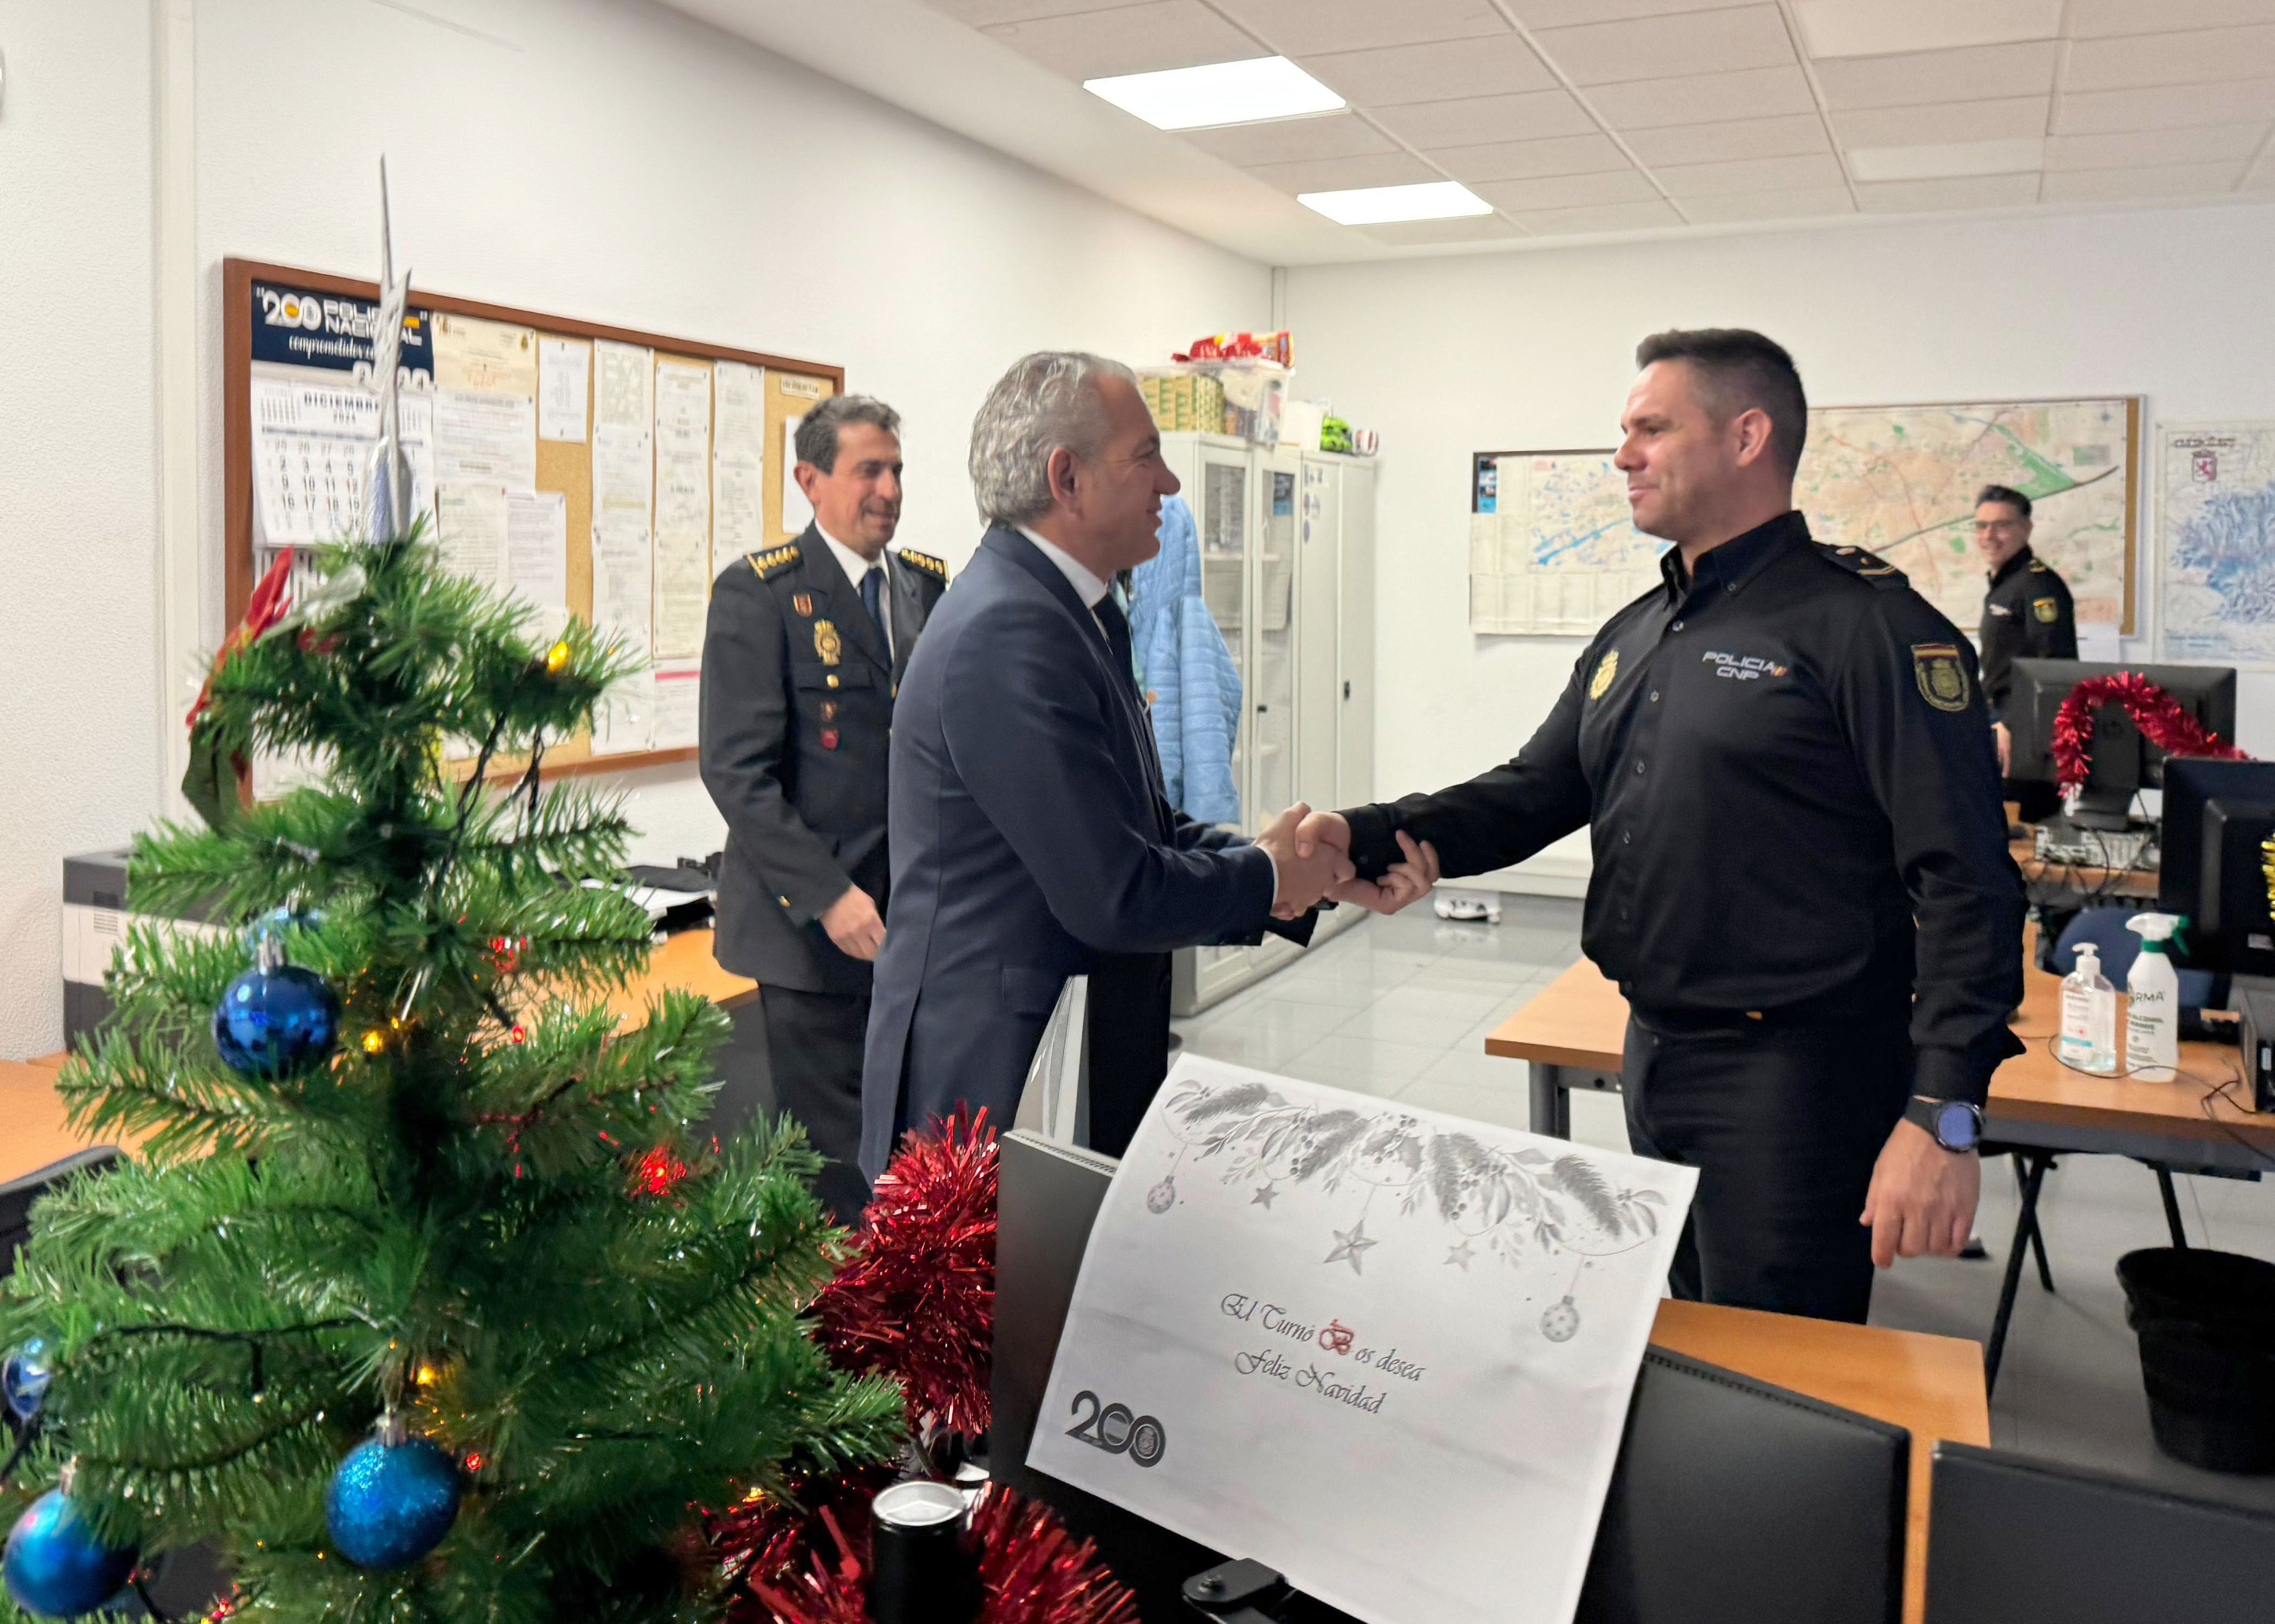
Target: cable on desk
2214,1087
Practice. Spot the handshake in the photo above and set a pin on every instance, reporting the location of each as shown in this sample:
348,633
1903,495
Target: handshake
1312,853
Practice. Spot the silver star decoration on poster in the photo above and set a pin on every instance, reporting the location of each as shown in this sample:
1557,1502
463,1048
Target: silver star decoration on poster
1263,1196
1350,1244
1461,1254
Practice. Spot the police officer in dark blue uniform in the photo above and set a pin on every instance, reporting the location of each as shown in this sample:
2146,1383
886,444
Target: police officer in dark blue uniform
802,660
2027,614
1801,879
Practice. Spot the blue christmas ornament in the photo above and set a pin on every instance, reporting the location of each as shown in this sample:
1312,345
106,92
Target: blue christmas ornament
24,1378
277,1018
391,1502
55,1565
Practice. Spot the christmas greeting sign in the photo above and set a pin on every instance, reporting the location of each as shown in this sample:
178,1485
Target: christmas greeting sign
1384,1350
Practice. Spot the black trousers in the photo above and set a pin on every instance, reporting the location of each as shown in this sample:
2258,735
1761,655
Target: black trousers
1784,1127
813,1050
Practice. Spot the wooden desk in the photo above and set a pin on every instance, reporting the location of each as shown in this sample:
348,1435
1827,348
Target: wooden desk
2078,879
32,1132
1932,1384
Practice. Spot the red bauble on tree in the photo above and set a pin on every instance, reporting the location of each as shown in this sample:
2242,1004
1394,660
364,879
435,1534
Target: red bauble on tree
2160,716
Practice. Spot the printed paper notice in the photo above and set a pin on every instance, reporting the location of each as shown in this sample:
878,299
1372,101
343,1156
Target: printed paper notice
623,385
471,530
537,557
677,707
624,470
682,508
485,439
1384,1350
738,458
489,357
797,511
312,447
564,381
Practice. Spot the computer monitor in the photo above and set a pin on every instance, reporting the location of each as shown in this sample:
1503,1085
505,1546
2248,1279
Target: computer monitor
2119,762
2216,815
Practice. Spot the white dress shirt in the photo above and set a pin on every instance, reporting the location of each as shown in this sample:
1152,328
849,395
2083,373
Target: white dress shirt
855,567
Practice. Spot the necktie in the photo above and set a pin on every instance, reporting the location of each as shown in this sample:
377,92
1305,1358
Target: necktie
1117,636
872,599
1133,705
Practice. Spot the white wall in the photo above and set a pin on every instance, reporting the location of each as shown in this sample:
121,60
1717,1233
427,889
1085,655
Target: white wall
606,159
79,722
1449,356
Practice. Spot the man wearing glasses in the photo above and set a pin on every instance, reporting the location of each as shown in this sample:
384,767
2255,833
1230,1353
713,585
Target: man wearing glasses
2027,614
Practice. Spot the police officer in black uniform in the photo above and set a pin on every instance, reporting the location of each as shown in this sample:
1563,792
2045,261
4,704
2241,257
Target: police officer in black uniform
2027,614
802,658
1801,879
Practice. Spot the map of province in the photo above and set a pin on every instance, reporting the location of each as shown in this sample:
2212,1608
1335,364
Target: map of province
2217,520
1901,481
1551,548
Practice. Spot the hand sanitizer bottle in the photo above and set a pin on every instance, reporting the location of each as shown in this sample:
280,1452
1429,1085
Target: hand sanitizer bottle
2152,1011
2089,1015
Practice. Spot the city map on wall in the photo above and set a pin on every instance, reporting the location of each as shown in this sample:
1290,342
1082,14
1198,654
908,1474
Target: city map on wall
1551,550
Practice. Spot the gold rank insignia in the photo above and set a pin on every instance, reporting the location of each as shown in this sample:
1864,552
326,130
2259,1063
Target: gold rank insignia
1606,668
925,561
826,642
2045,609
773,561
802,602
1941,675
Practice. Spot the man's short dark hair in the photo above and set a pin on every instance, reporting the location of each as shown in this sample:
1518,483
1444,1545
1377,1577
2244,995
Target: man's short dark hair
2006,493
1740,371
817,433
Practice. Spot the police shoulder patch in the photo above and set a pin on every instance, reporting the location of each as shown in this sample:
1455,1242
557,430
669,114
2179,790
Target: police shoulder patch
1941,674
1856,561
2046,609
774,560
924,562
1607,670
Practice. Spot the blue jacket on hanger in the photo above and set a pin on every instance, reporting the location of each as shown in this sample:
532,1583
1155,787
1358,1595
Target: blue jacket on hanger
1185,666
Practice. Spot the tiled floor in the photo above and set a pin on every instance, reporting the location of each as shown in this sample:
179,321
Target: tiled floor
1400,1008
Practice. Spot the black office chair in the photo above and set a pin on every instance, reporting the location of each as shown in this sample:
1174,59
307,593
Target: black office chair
2012,1538
17,1195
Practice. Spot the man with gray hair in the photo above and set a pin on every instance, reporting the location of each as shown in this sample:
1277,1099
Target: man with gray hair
806,648
1031,837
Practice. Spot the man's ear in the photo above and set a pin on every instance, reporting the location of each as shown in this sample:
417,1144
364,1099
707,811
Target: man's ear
1752,430
1060,471
807,476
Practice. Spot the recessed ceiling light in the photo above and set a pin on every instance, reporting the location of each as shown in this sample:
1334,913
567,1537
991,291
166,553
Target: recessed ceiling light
1433,200
1943,159
1875,28
1222,93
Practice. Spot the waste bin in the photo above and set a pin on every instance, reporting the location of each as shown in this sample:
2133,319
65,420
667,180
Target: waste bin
2206,1322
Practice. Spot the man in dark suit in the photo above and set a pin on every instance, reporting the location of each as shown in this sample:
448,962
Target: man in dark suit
1031,840
805,649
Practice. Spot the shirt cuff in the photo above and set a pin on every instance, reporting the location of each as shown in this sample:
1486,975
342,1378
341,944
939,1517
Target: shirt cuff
1373,840
1949,1074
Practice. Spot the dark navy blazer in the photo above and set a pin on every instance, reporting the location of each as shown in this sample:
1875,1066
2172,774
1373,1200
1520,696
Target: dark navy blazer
1029,842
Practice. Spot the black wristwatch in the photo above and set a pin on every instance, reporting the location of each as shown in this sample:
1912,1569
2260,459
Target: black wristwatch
1954,1124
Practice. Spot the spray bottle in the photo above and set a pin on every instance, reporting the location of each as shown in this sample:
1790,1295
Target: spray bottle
2152,1014
2089,1015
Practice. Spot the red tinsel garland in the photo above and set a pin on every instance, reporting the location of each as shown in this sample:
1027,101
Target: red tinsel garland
2160,716
917,1300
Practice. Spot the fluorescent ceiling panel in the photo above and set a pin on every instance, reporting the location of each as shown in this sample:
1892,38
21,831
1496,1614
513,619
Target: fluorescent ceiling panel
1943,159
1435,199
1220,94
1879,28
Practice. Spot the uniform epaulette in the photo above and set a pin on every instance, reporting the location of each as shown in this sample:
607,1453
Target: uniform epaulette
2039,566
925,561
1856,561
773,561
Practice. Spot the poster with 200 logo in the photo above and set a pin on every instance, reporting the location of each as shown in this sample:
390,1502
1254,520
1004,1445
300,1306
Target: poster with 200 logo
1117,1431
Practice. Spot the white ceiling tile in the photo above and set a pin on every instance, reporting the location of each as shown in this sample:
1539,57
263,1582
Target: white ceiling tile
2090,20
1440,72
1567,191
2162,180
1299,27
1598,217
2164,107
1564,13
1968,192
1728,41
2201,56
1566,155
1386,169
1533,115
1878,28
1976,74
1129,39
1286,141
2262,178
978,13
1683,181
1947,160
1476,228
1704,98
2205,144
1808,202
1737,137
2006,119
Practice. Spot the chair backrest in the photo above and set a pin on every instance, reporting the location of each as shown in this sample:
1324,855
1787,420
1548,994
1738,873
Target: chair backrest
2012,1538
17,1194
1737,1502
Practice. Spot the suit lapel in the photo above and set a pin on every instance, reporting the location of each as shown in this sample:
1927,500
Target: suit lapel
904,603
846,609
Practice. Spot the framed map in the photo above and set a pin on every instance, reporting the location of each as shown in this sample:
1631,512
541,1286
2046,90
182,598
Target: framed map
2216,528
1551,550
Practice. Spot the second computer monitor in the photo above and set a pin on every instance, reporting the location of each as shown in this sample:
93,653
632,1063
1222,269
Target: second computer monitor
2119,761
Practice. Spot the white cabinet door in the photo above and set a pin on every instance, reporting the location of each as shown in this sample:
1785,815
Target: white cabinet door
1355,638
1318,703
